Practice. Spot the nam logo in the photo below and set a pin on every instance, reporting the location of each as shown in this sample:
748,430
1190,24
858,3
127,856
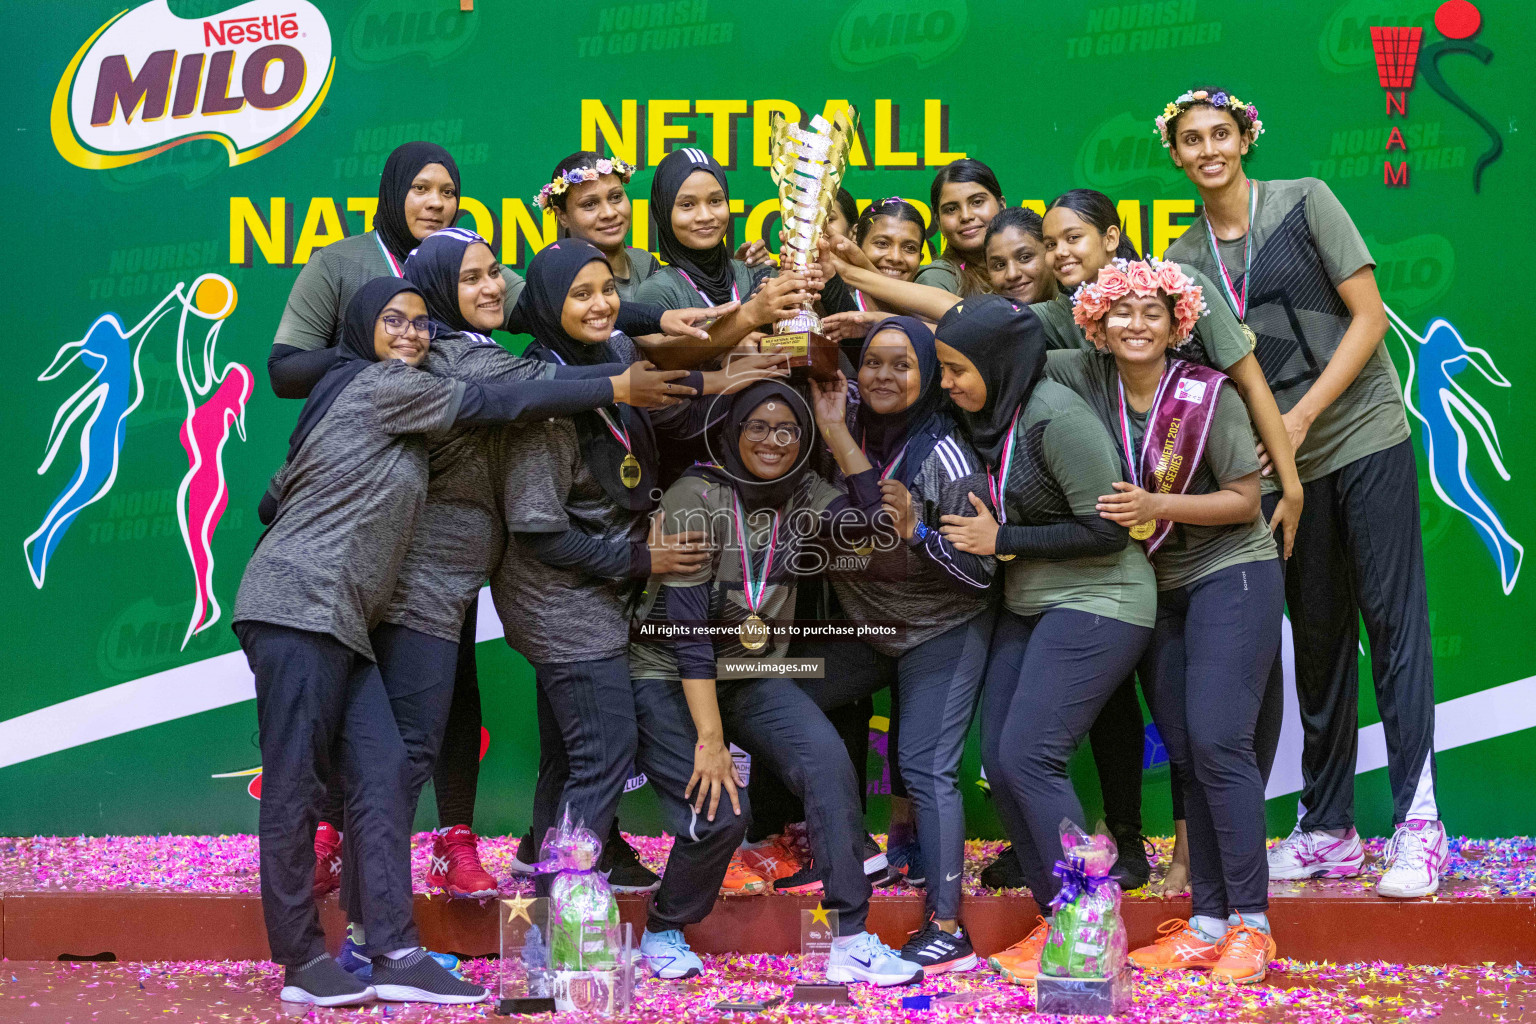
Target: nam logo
146,81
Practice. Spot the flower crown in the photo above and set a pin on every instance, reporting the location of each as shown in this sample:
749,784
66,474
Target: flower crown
1145,278
1218,99
577,175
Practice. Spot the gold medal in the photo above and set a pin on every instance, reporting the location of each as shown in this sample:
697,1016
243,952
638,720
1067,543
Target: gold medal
864,550
753,633
629,471
1253,339
1006,558
1141,531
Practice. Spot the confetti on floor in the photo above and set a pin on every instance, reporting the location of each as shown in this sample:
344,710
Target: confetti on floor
227,864
238,992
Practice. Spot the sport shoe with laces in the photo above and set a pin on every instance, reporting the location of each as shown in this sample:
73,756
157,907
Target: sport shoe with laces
741,880
805,881
772,859
865,958
1132,867
1179,946
939,951
1005,871
622,865
1415,856
906,859
667,955
1316,855
1245,955
877,867
327,860
1020,962
322,982
455,865
418,978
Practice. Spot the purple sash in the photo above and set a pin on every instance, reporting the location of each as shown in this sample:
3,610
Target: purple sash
1179,421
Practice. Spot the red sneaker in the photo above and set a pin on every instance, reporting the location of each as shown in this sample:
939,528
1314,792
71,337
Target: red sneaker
327,860
455,865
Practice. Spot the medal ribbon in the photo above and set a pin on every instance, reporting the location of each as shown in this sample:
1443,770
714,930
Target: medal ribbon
997,483
1135,459
753,589
389,257
885,474
614,428
1239,302
858,300
735,294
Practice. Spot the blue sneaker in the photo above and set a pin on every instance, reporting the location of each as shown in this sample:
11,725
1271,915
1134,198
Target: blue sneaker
863,957
906,859
357,963
668,956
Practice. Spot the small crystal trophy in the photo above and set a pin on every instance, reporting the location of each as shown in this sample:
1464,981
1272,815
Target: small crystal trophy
808,166
817,930
525,979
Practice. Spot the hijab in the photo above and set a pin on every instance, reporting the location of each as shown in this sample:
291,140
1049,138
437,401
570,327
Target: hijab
919,426
434,268
710,269
549,278
1007,345
354,352
400,169
725,439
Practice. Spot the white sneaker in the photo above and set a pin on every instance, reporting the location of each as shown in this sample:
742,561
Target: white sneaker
668,956
1415,855
865,958
1316,855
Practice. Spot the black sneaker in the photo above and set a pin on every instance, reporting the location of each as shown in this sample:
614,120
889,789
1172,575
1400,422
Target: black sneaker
938,951
877,868
1132,868
323,982
806,880
1004,872
523,862
622,866
417,978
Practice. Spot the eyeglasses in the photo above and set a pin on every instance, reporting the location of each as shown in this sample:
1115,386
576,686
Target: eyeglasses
784,436
396,326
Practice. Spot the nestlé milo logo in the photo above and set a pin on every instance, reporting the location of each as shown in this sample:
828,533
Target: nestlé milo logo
384,31
874,31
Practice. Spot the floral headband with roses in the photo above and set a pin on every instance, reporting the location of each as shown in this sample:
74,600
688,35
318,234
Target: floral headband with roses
577,175
1145,278
1218,99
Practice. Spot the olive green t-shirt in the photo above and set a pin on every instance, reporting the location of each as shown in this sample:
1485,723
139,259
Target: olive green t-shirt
312,318
941,273
641,266
1189,553
696,504
669,289
1063,460
1304,246
1218,341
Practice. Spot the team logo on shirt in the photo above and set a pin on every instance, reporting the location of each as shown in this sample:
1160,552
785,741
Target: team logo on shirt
1190,391
249,78
112,389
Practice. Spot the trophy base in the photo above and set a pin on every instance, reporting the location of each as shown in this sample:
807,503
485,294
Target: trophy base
811,354
1092,997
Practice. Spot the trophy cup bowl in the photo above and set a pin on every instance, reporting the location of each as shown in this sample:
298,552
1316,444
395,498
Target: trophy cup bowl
808,166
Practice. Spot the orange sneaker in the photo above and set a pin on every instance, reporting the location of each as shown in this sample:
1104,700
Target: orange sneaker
1020,962
741,880
1245,955
772,859
1178,947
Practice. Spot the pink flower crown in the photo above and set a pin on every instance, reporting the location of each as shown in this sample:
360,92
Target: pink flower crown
577,175
1145,278
1218,99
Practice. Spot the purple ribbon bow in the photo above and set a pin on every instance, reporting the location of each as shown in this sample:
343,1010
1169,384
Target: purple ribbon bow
1075,881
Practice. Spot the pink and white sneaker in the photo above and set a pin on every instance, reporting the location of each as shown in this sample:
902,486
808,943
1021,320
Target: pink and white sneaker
1415,855
1316,855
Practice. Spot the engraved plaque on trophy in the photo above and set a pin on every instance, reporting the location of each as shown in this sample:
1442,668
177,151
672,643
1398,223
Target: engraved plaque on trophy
807,165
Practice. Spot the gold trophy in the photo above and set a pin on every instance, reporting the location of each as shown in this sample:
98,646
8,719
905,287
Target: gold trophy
807,165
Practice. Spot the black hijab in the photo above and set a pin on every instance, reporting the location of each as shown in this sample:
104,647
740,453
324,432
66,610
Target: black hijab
920,425
400,169
550,275
724,445
434,268
1007,345
709,269
354,352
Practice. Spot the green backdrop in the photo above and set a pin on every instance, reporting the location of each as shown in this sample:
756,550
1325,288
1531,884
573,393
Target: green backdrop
1051,95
